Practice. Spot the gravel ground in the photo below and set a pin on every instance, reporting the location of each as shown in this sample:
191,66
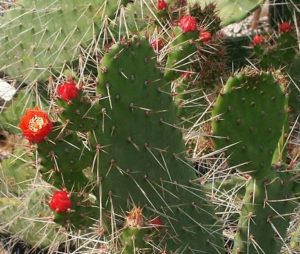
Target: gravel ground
5,4
243,28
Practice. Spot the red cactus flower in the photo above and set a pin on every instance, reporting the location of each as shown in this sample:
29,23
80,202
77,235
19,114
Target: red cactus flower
188,23
67,91
60,202
35,125
156,222
205,36
161,5
257,40
157,44
285,27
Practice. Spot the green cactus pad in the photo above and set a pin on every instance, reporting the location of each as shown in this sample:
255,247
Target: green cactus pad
182,50
281,54
141,152
79,114
63,159
16,172
27,218
267,206
132,239
248,119
39,37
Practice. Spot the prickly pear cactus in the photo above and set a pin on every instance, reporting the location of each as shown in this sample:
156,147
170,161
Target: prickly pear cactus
182,50
281,53
109,141
27,218
45,36
22,200
265,214
16,171
251,133
249,117
139,99
138,157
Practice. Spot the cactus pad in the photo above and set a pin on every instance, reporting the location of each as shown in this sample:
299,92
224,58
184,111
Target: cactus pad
141,151
182,50
28,218
248,120
267,206
39,37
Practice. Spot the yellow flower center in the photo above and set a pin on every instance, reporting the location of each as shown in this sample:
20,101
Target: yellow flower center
36,123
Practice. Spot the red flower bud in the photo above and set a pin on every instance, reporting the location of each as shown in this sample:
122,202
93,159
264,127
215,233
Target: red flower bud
188,23
285,27
205,36
161,5
257,40
156,222
60,202
35,125
67,91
